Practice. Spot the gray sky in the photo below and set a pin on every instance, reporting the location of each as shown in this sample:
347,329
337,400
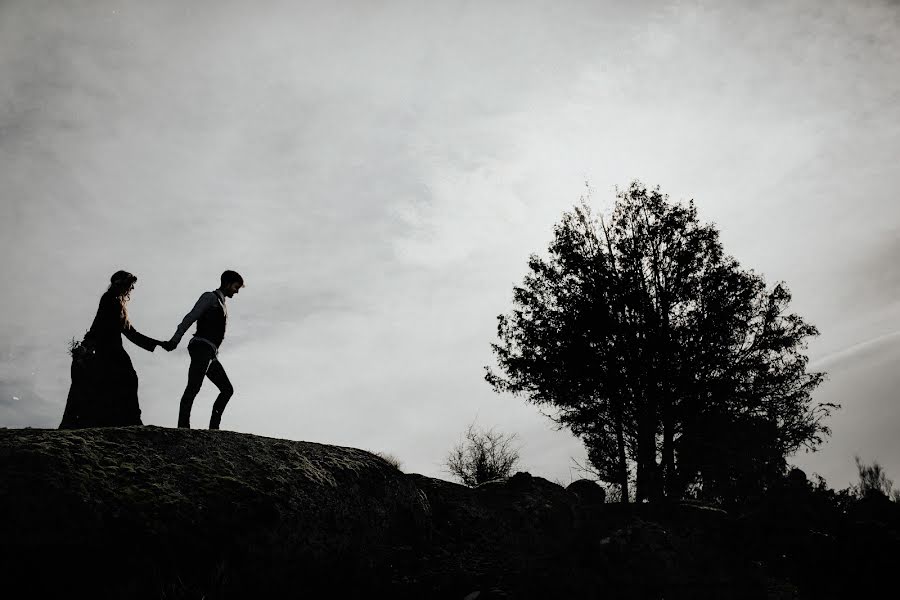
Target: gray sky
380,171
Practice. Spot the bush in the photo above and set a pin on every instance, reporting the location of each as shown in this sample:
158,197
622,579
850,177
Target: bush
483,455
873,481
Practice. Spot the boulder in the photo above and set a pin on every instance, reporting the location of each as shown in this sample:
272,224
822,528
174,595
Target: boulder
155,512
588,492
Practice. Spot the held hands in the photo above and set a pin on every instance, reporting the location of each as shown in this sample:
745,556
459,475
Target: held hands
167,346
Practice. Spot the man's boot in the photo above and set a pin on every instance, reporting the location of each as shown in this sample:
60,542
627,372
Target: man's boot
218,408
215,419
184,416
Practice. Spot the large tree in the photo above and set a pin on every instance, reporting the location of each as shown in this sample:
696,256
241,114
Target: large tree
670,361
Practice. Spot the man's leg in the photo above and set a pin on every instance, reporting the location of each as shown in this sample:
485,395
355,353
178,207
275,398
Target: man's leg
217,375
200,359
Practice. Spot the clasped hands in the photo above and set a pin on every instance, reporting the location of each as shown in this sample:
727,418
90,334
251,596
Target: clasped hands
168,346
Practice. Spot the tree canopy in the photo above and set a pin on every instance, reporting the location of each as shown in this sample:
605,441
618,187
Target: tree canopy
679,370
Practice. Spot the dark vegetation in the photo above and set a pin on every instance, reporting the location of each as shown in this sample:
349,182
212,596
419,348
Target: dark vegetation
873,482
483,455
681,371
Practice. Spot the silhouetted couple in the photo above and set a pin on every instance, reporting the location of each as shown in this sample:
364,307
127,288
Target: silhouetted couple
104,384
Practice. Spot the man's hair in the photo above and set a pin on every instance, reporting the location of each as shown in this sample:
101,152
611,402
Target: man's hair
229,277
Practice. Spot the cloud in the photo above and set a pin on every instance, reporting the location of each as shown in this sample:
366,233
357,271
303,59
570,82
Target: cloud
858,352
379,174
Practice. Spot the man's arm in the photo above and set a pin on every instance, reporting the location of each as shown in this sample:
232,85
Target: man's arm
206,300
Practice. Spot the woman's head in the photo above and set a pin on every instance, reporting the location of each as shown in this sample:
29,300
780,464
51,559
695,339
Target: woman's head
121,283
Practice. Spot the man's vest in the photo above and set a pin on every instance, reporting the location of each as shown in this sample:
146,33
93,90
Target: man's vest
211,325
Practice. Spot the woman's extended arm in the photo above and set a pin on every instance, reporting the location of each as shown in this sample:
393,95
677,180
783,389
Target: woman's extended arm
139,339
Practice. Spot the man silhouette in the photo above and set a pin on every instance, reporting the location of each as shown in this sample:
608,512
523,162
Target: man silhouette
211,316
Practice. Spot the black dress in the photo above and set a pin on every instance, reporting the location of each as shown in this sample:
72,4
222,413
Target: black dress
104,390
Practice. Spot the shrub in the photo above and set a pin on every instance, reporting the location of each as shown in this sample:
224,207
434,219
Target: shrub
482,455
873,481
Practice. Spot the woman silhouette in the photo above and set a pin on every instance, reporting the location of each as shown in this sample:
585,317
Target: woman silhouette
104,384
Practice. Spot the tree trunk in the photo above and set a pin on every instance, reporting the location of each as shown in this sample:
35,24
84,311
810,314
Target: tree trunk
668,413
647,478
620,449
668,450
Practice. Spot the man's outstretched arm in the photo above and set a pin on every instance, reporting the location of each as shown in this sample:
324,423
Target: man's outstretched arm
206,300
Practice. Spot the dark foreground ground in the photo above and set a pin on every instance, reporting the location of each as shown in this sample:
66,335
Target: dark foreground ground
149,512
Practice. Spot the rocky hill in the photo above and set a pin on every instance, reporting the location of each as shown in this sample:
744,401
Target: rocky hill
148,512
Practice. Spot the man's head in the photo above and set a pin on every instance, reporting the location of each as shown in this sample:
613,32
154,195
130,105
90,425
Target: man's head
232,282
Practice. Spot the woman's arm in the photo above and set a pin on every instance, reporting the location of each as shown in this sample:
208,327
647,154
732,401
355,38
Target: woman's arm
139,339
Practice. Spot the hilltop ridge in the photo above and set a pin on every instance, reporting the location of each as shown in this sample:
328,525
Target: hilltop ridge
149,512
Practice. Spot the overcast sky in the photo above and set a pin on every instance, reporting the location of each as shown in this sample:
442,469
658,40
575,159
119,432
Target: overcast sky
380,171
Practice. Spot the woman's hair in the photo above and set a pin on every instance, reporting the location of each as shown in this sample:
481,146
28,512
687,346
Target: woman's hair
120,285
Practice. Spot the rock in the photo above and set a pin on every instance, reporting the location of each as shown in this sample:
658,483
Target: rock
588,492
204,512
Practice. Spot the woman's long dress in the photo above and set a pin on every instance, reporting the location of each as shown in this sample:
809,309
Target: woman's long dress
104,390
